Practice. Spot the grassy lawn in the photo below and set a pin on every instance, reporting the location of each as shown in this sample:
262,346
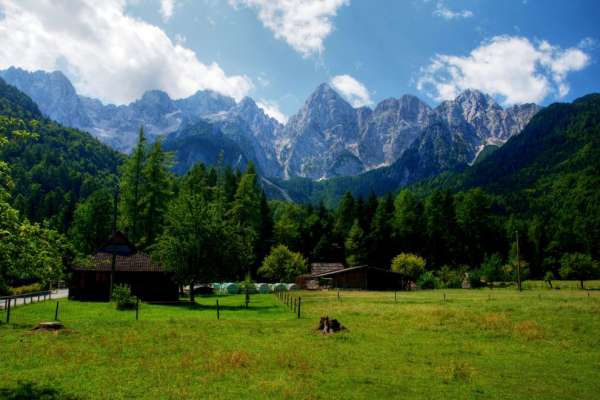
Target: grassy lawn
476,344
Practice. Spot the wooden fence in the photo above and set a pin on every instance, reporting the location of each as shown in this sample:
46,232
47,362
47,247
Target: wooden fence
293,303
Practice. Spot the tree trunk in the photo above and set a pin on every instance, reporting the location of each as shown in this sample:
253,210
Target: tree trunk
192,294
581,281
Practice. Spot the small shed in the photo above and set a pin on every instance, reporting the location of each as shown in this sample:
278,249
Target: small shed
148,280
363,277
310,280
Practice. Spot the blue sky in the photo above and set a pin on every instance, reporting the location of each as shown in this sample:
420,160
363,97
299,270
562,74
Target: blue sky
278,51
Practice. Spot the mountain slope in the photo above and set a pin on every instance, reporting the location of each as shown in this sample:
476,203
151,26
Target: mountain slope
203,142
560,146
57,168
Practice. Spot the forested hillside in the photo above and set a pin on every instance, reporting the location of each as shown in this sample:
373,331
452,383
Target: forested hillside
56,167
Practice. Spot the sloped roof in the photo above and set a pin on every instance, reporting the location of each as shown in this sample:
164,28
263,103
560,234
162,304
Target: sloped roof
138,262
323,268
358,267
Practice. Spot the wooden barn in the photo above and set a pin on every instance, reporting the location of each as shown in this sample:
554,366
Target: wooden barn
362,277
148,280
309,281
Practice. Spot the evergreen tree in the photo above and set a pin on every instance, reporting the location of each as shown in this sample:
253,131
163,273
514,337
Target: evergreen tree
132,189
356,252
440,223
407,223
156,194
380,246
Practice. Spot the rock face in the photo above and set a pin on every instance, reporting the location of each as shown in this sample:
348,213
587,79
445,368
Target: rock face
321,140
52,92
329,138
326,138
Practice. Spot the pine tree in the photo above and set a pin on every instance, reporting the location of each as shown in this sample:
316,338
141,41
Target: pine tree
156,194
356,252
380,246
407,222
132,187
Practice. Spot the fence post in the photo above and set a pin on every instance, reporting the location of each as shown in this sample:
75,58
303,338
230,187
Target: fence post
299,302
8,312
395,296
56,312
137,308
218,316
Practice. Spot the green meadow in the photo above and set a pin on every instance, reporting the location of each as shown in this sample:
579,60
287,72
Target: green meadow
474,344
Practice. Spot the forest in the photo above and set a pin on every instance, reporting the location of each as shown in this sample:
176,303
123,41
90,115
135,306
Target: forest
60,188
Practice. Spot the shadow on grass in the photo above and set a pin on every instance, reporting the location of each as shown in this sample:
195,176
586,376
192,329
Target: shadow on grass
197,306
32,391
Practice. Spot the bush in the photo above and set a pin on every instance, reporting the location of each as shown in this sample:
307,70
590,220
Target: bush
492,269
475,279
428,281
122,296
34,287
451,278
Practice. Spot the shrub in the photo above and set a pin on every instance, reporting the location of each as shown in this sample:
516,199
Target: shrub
409,265
491,269
428,281
475,279
34,287
122,296
451,278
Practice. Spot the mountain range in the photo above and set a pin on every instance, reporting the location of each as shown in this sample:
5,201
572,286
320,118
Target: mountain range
400,139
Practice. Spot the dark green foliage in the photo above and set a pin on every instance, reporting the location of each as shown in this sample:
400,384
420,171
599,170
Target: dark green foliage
578,266
54,168
428,280
492,269
356,245
92,222
32,391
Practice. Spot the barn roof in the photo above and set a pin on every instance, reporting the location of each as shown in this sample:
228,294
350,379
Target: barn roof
358,267
323,268
138,262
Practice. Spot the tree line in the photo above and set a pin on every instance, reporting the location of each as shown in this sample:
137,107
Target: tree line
215,223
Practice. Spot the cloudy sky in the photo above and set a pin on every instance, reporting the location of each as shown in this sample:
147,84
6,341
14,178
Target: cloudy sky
278,51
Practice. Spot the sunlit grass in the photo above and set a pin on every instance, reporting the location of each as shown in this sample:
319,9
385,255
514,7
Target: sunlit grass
470,344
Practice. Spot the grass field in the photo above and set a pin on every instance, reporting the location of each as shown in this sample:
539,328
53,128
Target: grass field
478,344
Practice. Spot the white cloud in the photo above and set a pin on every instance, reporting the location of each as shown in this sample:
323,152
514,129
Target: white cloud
442,11
106,53
166,9
272,110
303,24
509,67
352,90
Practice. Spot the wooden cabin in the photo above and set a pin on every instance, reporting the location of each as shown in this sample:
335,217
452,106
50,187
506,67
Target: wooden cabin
309,281
148,280
362,277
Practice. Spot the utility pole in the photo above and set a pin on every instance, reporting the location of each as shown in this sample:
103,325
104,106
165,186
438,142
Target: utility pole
114,249
518,264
